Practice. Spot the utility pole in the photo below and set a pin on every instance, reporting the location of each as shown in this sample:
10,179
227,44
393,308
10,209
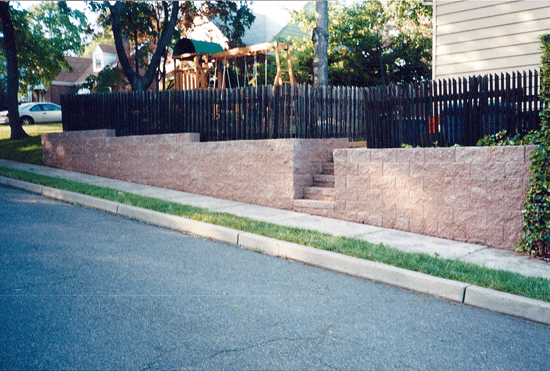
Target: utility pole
320,42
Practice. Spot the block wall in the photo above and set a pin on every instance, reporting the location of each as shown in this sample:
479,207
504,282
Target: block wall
263,172
470,194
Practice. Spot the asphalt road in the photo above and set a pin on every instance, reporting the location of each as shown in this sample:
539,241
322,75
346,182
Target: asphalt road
85,290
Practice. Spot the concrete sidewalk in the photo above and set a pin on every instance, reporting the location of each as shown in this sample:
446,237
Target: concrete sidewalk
477,254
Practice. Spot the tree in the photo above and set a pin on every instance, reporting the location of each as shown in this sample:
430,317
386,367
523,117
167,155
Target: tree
10,50
44,35
151,27
370,43
62,26
320,42
34,43
105,80
130,15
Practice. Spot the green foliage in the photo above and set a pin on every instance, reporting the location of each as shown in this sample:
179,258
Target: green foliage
370,43
61,25
232,18
43,35
502,139
106,79
153,27
536,213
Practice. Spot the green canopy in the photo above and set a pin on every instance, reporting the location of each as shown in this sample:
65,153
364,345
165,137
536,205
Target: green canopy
185,46
205,47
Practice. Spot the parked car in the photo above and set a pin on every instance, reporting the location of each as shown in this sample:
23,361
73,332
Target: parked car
35,113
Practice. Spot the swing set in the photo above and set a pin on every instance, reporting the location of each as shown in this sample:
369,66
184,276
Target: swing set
203,71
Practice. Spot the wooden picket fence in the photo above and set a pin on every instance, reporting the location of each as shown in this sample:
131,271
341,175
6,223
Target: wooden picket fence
448,112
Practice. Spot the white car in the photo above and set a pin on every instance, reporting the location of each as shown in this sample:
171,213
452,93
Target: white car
35,113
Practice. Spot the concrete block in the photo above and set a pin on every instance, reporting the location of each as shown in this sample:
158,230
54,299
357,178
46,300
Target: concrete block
19,184
80,199
531,309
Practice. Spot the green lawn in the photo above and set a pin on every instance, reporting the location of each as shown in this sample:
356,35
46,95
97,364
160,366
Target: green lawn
27,150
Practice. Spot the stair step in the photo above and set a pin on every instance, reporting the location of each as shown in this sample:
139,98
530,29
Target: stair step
319,193
314,204
323,180
328,168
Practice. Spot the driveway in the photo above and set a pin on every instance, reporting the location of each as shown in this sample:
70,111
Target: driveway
82,289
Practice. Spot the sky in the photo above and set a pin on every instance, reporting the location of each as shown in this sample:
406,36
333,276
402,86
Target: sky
271,8
274,9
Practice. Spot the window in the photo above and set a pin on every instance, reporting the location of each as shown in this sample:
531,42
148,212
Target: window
51,107
97,61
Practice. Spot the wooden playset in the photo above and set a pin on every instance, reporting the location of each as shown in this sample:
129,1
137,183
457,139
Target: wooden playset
195,70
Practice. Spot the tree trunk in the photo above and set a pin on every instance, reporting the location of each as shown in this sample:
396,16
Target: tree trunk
17,131
142,83
320,41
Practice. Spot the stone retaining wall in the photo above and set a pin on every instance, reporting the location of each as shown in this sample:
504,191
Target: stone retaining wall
471,194
263,172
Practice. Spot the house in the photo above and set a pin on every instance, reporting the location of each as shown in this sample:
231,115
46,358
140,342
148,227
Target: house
70,82
486,37
66,82
103,56
263,29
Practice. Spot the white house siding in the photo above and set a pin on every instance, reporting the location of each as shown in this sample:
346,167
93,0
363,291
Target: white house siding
486,37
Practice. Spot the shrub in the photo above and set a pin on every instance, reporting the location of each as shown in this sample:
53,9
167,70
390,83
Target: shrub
536,212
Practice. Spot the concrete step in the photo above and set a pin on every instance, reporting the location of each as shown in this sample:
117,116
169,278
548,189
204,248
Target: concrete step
319,193
314,204
323,180
328,169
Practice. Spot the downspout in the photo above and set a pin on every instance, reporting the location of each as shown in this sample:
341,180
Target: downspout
434,40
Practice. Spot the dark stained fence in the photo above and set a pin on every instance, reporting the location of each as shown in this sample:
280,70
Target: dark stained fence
445,112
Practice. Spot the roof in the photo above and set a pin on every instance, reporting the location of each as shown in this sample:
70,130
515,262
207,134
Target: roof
185,46
107,48
262,30
291,31
80,67
294,30
205,47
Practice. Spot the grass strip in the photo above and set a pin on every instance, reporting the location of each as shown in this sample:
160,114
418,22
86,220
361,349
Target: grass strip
514,283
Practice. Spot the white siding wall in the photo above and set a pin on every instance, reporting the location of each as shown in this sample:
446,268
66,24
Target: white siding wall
479,37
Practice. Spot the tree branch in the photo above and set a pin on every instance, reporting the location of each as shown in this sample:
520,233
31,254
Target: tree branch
165,38
119,44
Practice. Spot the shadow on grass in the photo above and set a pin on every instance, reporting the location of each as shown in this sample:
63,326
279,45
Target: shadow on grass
28,150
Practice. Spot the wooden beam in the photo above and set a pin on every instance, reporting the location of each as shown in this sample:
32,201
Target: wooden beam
250,50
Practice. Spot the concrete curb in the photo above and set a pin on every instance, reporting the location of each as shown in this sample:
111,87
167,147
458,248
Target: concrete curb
419,282
493,300
80,199
502,302
26,186
181,224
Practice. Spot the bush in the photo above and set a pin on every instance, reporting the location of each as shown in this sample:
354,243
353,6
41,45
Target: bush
536,213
